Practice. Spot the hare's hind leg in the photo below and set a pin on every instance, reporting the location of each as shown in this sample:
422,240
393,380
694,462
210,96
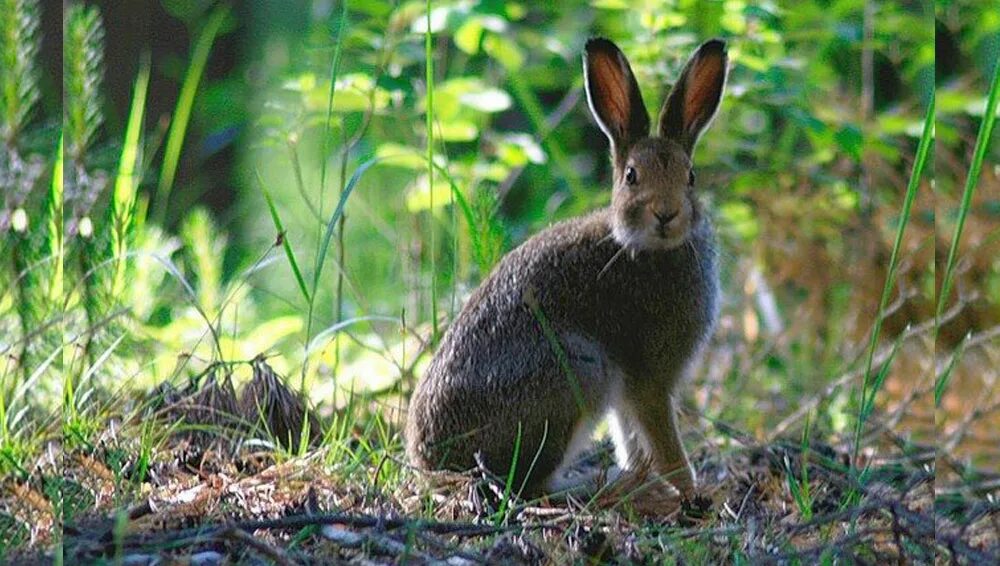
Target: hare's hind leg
585,380
569,477
552,430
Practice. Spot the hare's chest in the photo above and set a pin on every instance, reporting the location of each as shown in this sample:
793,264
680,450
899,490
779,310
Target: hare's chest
670,320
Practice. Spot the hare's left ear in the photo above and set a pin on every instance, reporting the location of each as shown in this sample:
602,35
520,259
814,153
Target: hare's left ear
695,97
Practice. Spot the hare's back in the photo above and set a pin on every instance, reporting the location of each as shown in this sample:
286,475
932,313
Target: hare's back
500,333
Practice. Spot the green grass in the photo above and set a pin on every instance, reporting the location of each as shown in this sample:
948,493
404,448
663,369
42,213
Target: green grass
871,385
429,125
182,111
508,486
971,181
979,154
799,486
285,244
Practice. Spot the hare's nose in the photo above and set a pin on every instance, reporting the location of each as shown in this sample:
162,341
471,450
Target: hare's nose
665,217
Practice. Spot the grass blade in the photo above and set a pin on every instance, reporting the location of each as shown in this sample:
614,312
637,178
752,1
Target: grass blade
96,365
923,152
978,156
324,247
289,253
182,114
335,328
429,62
32,379
176,273
466,209
941,384
334,72
508,484
55,243
868,403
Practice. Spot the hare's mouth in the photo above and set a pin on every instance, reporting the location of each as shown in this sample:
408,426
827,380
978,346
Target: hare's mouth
649,238
656,231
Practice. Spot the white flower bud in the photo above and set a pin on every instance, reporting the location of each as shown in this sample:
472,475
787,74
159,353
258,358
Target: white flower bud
19,221
86,227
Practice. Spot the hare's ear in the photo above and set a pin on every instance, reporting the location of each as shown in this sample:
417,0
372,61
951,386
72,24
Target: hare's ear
613,95
695,97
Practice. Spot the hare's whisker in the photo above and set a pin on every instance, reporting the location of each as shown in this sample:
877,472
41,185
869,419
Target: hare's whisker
694,249
611,261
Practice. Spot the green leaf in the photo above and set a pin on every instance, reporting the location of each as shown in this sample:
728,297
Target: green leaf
740,218
353,92
505,51
457,131
403,156
468,36
850,139
436,20
419,197
978,108
519,149
486,100
268,333
843,197
453,96
611,4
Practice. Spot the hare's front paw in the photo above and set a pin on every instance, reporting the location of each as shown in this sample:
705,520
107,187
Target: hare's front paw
642,490
655,497
684,481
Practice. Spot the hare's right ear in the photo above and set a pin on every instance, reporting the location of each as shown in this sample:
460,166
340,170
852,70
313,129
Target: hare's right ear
613,95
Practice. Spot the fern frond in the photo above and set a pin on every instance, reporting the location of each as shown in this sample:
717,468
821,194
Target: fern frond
53,245
121,213
19,45
83,69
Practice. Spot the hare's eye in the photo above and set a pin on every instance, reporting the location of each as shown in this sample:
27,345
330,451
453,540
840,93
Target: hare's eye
691,178
630,176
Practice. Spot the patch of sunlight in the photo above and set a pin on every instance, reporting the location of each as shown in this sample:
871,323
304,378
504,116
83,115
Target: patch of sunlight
418,197
362,369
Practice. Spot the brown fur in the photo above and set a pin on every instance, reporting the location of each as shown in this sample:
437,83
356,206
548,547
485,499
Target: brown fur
598,315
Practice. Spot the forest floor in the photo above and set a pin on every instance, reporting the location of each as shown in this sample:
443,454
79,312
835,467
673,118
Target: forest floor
203,495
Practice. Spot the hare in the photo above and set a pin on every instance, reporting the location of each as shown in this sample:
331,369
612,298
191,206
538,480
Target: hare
596,316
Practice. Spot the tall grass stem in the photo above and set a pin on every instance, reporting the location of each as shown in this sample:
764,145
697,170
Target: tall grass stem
182,112
978,156
867,396
429,66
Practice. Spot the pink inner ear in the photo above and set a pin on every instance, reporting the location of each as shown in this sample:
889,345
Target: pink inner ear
613,99
698,93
